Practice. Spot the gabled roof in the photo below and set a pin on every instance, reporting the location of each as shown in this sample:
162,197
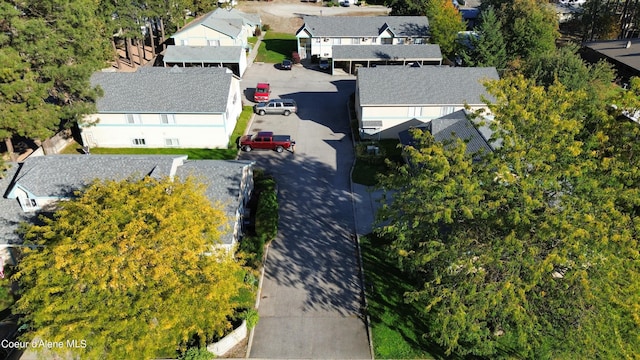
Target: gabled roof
223,179
365,26
58,176
387,52
426,86
450,127
625,51
206,54
231,27
158,90
231,13
11,214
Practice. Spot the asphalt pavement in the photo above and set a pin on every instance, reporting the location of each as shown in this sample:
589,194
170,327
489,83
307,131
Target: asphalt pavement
311,298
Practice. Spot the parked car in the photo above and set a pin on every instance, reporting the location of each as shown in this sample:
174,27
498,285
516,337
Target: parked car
276,106
262,92
266,140
345,3
286,65
324,64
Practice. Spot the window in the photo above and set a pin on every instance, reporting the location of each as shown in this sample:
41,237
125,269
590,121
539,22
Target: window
446,110
133,118
213,42
184,42
171,142
401,41
418,41
415,111
336,41
168,118
387,41
374,40
355,41
27,203
139,142
316,40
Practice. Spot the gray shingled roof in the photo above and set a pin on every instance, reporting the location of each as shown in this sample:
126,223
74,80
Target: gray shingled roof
365,26
223,180
228,26
206,54
231,13
386,52
57,176
618,51
427,85
11,214
448,127
159,90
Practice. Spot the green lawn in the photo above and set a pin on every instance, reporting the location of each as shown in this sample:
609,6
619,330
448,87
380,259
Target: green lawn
396,328
367,166
276,47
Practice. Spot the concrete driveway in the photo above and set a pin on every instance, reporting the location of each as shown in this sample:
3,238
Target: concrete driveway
311,299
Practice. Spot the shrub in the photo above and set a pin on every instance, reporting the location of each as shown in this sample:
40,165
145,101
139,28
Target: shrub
267,215
295,57
252,317
195,353
251,249
257,32
266,27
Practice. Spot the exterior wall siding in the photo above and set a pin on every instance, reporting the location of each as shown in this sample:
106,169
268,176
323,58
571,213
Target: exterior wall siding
397,118
199,35
190,130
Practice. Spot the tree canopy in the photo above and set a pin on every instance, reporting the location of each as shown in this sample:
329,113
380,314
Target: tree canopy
132,267
445,21
487,46
530,250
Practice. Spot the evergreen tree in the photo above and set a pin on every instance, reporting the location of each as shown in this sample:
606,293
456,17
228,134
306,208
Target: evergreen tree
487,46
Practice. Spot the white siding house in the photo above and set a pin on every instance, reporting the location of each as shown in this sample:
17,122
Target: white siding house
164,107
390,99
219,28
41,181
319,34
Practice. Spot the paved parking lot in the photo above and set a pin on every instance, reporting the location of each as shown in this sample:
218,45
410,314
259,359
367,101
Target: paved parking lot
310,304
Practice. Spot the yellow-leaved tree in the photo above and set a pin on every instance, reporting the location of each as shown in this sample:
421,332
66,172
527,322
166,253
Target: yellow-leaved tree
130,267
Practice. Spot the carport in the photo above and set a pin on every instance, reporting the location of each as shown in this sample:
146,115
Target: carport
232,57
349,57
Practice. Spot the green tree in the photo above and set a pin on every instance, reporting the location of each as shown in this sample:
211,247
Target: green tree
488,48
529,27
445,21
566,66
518,251
48,50
132,267
407,7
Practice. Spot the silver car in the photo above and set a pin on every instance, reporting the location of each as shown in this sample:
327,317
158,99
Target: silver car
276,106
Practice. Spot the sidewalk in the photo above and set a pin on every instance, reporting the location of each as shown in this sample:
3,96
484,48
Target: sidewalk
254,51
365,206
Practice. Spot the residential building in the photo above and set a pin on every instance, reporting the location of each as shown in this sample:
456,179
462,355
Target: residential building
40,182
160,107
390,99
319,34
219,28
351,57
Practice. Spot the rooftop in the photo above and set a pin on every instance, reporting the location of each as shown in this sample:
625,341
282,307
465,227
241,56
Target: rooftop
365,26
387,52
427,85
625,51
164,90
203,54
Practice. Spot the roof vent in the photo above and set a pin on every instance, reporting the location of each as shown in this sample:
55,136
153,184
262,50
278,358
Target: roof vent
628,44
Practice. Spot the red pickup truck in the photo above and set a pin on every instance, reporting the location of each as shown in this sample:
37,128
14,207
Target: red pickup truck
266,140
262,92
